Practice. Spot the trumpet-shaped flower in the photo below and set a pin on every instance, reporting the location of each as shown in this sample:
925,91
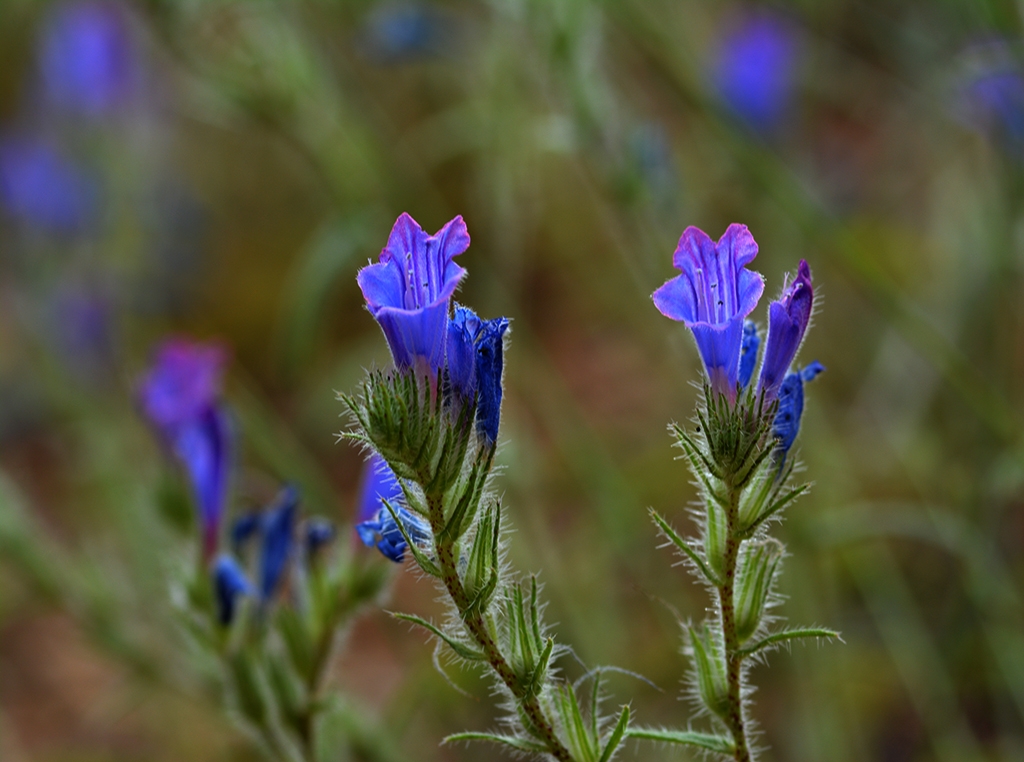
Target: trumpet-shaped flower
180,396
788,318
408,291
712,297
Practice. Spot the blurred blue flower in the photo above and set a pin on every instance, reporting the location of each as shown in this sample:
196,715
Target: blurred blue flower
993,103
43,189
754,70
748,352
278,530
229,582
180,395
87,57
409,289
791,406
244,529
320,532
397,32
713,296
788,318
82,327
489,359
377,527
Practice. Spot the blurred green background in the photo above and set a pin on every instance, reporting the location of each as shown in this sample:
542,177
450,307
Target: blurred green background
221,168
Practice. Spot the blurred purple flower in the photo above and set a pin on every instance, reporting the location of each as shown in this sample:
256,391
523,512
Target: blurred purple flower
994,105
713,296
319,532
379,484
82,330
87,57
788,318
278,530
229,582
408,291
180,395
791,406
755,68
43,189
397,32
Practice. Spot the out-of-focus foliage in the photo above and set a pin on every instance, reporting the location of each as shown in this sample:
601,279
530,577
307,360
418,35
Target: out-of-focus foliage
220,168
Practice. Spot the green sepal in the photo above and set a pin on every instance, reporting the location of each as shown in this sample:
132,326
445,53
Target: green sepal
708,665
252,702
581,743
466,494
462,650
480,579
616,737
759,562
297,640
779,501
716,538
522,647
519,744
706,741
776,639
684,546
288,692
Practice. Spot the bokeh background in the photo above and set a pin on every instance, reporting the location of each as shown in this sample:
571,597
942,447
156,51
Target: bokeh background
220,169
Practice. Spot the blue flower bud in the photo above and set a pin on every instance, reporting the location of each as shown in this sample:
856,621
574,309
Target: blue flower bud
461,356
489,359
791,406
319,532
229,582
748,352
243,530
382,532
278,541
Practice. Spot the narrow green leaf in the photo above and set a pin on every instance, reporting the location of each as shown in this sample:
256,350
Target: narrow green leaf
774,508
520,744
777,638
617,734
680,543
708,741
461,649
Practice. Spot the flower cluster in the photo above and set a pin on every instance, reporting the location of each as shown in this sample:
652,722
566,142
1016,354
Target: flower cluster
713,297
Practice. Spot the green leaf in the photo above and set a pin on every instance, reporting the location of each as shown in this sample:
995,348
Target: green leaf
617,734
778,638
520,744
774,508
684,546
464,651
708,741
759,562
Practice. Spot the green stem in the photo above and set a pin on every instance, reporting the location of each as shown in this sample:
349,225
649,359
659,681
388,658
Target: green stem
733,656
477,627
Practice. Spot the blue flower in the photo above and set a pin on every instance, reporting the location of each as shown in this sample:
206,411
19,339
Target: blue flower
791,406
42,188
748,352
407,31
229,582
87,58
788,318
490,346
409,289
377,527
754,71
713,296
319,533
180,395
994,105
243,529
278,529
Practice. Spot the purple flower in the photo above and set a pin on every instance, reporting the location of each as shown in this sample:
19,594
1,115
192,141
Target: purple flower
180,396
377,527
229,582
713,296
791,407
754,70
787,322
994,103
278,529
43,189
409,289
87,57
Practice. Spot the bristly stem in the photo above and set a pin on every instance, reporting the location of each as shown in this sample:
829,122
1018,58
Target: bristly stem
733,656
477,627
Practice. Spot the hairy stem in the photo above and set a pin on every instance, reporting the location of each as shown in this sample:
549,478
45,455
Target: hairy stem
477,627
733,657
